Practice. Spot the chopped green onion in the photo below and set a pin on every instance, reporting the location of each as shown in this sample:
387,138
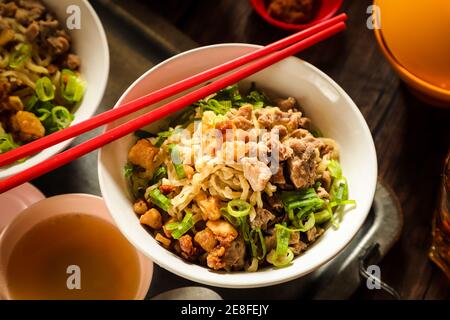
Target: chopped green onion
61,117
335,169
283,236
176,160
155,196
160,173
234,221
322,216
217,107
184,226
6,142
162,136
128,170
20,55
245,228
45,90
72,88
238,208
257,233
31,102
43,114
280,261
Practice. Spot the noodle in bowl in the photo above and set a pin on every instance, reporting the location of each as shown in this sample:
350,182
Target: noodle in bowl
83,29
329,108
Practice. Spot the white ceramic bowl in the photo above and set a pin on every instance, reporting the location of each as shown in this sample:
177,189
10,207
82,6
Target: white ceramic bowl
89,42
329,107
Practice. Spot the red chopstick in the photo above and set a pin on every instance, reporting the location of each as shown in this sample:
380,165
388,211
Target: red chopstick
157,96
159,113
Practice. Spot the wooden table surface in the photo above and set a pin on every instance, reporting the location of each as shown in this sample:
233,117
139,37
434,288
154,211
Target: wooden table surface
411,138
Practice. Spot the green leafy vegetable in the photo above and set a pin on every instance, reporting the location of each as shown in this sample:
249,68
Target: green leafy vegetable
180,228
162,136
156,197
238,208
160,173
6,142
128,170
72,87
61,117
20,55
217,107
256,237
176,160
45,90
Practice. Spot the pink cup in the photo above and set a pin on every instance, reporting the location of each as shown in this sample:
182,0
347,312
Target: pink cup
54,206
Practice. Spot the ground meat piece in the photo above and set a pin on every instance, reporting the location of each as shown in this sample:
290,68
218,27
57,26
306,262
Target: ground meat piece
278,178
72,61
303,169
299,133
298,247
59,45
12,103
52,69
213,260
313,233
27,126
5,87
166,189
8,9
27,16
186,245
209,206
223,126
322,193
275,203
234,257
262,217
282,131
286,104
48,27
224,232
326,179
245,111
143,154
270,241
272,141
242,123
270,117
32,31
256,172
305,123
205,238
6,35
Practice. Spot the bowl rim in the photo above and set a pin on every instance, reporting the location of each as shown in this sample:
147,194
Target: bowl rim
44,155
239,279
262,12
409,77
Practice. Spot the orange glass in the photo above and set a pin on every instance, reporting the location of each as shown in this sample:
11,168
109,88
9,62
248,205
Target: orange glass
440,248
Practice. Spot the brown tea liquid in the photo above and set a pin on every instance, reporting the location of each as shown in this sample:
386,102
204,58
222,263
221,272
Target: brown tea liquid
73,256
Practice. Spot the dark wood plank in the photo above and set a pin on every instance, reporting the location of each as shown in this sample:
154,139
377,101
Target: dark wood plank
411,138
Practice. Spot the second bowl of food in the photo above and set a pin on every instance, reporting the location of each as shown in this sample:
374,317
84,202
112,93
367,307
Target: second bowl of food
54,65
259,184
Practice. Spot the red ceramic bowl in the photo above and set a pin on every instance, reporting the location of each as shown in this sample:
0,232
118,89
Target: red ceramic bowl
326,10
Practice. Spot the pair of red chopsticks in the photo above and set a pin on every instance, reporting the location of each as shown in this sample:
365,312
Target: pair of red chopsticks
261,59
